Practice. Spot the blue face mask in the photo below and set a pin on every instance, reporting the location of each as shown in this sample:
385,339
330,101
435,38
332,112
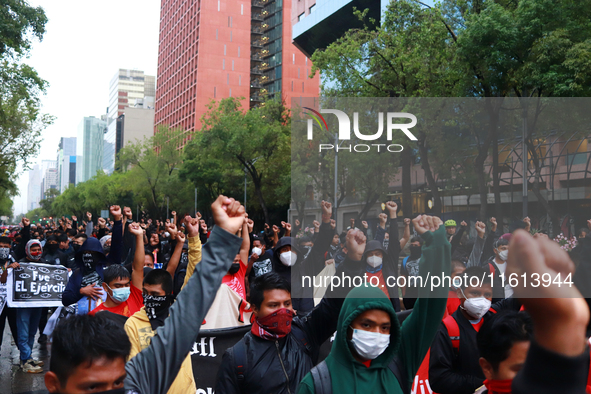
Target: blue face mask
120,295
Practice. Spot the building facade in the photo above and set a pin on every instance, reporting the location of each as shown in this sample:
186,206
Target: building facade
129,88
214,49
34,188
89,148
66,163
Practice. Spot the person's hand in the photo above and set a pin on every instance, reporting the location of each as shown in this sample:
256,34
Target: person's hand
275,229
391,207
355,244
127,212
172,229
333,224
102,222
228,214
167,221
287,227
527,222
136,230
364,224
326,211
26,222
149,221
116,212
74,218
407,222
14,265
329,262
203,226
464,224
383,219
192,226
352,221
297,223
199,215
250,225
180,237
480,229
316,224
425,223
493,222
89,216
173,213
559,312
91,291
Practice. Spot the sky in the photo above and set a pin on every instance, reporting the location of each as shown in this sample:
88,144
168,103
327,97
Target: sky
85,44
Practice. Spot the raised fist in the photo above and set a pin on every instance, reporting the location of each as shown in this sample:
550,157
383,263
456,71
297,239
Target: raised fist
424,223
391,207
228,214
116,212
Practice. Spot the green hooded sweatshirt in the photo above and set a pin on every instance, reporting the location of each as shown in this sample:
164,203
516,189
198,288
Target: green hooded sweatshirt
411,341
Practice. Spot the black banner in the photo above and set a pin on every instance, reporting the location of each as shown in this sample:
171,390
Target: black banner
36,285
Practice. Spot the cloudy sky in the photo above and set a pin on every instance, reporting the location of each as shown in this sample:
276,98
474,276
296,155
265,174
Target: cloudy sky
86,42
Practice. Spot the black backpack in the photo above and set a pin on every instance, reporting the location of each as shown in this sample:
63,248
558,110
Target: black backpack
323,381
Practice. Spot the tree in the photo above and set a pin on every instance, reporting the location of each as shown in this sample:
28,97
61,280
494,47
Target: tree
233,141
21,121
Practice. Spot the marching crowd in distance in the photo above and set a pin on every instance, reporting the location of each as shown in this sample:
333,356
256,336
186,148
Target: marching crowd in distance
139,292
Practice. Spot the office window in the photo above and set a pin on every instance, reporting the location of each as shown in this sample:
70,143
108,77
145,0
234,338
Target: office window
216,34
232,65
224,49
241,9
312,8
302,87
292,86
293,58
240,80
214,92
227,79
300,16
230,36
238,51
298,72
223,64
230,92
218,5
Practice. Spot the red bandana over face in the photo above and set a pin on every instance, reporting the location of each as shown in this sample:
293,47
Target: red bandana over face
273,326
498,386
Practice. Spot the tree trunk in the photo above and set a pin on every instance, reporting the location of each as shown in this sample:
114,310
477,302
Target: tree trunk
423,151
495,170
259,193
482,191
406,160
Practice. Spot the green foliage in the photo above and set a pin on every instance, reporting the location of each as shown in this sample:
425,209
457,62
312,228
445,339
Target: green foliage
232,140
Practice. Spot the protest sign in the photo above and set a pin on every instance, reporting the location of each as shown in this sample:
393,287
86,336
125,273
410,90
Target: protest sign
36,285
3,293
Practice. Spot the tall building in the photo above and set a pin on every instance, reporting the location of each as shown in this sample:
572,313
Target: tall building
213,49
34,188
89,148
49,181
128,88
136,124
66,163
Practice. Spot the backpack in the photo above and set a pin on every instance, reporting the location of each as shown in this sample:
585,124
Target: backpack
323,381
453,330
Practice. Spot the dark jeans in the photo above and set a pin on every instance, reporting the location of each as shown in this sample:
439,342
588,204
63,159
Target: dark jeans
9,313
27,322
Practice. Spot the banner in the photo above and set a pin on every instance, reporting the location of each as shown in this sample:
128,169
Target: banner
3,293
207,354
36,285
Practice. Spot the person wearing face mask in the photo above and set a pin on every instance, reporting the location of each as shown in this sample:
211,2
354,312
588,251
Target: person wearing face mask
89,262
124,296
372,352
410,270
259,262
235,278
497,264
51,251
305,244
453,365
503,344
381,264
144,324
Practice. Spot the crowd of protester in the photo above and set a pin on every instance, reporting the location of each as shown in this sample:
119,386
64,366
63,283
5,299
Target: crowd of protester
139,292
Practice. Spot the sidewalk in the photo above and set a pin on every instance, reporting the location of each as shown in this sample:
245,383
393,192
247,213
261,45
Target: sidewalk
14,381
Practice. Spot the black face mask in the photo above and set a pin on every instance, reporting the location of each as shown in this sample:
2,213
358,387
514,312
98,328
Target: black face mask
89,261
106,249
306,250
157,309
234,268
415,252
184,258
51,248
76,247
116,391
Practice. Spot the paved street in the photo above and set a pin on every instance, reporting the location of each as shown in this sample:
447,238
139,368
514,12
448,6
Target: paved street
12,380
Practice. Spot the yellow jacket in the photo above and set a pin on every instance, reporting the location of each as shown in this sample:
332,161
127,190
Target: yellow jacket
140,334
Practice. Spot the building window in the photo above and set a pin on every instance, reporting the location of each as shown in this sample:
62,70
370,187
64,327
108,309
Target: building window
230,36
241,9
312,8
229,21
298,73
230,92
218,5
223,64
306,61
232,65
292,86
216,34
227,79
293,58
224,49
214,92
240,80
302,87
238,51
300,16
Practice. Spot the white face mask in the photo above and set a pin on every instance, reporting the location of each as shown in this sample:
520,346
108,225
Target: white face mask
503,254
288,258
374,261
257,251
369,345
476,307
